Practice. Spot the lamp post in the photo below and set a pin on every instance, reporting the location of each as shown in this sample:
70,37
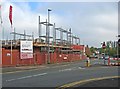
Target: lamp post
39,29
48,35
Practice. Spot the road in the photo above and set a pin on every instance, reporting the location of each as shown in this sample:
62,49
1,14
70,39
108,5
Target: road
60,75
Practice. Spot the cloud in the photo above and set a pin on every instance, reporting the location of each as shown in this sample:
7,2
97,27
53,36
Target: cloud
98,28
92,22
23,18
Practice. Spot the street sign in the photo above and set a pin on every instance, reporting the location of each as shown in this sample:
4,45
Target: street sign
26,55
26,47
103,45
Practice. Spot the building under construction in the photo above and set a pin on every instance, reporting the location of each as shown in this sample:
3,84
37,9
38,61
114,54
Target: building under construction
46,49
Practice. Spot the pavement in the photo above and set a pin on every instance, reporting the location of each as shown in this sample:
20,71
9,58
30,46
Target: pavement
20,68
102,82
112,82
105,83
31,67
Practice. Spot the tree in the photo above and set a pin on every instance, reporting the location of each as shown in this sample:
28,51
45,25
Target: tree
109,51
87,51
93,49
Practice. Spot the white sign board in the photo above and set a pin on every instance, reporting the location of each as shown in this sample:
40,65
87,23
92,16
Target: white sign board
26,49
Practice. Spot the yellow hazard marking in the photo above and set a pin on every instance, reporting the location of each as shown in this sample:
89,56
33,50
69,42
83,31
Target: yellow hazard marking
85,81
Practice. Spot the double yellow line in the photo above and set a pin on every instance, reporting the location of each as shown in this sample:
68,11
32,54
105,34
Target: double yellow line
85,81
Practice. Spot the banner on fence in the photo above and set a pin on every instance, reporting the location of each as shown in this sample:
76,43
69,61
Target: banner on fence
26,49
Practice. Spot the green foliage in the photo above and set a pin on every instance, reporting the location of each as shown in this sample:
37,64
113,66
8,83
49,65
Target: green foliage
107,50
92,49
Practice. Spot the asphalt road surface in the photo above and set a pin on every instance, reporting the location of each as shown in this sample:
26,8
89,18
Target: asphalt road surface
60,75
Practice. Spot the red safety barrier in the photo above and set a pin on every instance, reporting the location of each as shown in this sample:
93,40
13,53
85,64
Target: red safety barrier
114,62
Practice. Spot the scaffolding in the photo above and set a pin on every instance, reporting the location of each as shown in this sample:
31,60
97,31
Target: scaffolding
62,43
16,42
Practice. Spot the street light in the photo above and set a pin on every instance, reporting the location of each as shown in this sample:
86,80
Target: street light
48,35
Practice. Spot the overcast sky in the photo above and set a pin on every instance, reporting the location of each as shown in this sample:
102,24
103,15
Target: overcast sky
93,22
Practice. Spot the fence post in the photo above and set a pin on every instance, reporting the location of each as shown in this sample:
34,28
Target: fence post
34,58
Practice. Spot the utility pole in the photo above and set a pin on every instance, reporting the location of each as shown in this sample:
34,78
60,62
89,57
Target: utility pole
67,38
39,29
48,35
70,36
54,34
46,32
61,36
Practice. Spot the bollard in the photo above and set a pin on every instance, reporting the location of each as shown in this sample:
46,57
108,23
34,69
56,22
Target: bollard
88,63
109,61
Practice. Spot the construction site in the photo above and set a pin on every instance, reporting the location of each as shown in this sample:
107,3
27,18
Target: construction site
46,49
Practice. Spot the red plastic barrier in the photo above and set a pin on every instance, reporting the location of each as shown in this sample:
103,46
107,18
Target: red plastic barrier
41,58
6,57
53,58
38,57
60,56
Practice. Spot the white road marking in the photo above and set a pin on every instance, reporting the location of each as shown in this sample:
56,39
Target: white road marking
26,77
80,68
60,66
73,68
105,67
69,69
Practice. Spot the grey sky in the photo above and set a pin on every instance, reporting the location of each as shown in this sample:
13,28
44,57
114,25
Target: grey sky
93,22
